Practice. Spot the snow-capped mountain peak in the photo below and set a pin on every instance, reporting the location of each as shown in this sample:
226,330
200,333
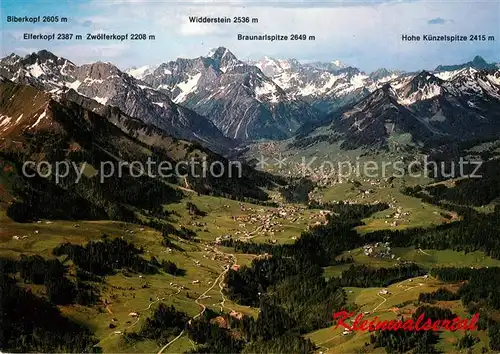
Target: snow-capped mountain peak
421,87
141,72
272,67
339,64
223,58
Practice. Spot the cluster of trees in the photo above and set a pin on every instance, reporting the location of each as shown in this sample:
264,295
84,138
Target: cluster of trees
254,248
90,199
365,277
441,294
401,341
52,273
248,335
297,191
494,334
452,274
309,301
166,322
171,268
35,269
29,323
213,338
39,198
105,256
480,286
353,212
422,342
246,285
194,210
471,191
434,313
467,341
283,344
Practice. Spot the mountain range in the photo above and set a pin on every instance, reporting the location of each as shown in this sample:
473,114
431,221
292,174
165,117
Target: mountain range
428,108
106,84
237,97
224,103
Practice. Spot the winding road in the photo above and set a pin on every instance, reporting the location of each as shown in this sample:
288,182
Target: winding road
218,280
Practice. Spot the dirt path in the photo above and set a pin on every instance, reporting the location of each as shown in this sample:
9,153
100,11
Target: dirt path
421,250
328,340
172,341
221,286
108,309
383,302
218,280
203,296
151,304
223,302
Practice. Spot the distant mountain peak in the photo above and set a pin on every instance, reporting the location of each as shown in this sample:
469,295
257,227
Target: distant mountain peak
426,75
478,60
477,63
223,58
141,72
383,75
41,57
221,53
339,63
45,54
332,66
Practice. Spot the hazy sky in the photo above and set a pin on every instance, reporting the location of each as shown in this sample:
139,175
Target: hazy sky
365,34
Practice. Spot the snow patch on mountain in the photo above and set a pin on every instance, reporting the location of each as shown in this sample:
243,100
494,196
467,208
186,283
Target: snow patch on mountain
5,120
101,100
388,78
36,70
447,75
494,79
358,81
450,75
40,118
339,64
422,94
285,80
187,87
75,85
141,72
145,87
19,118
267,90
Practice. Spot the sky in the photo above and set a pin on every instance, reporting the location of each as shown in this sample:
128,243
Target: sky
365,34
